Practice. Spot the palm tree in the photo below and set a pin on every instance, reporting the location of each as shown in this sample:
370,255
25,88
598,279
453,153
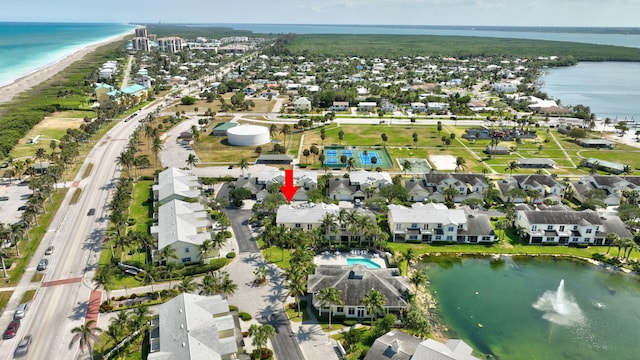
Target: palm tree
156,148
243,165
418,278
340,136
329,297
218,241
261,334
460,163
191,160
513,165
409,256
406,166
187,285
297,287
86,335
374,301
285,131
105,277
384,138
166,254
226,286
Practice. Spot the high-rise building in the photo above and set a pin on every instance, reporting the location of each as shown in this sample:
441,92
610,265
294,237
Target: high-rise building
170,44
140,44
141,32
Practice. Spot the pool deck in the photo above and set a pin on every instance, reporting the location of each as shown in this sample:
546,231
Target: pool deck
331,258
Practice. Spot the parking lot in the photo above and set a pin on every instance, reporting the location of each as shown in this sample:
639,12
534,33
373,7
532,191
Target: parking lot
18,193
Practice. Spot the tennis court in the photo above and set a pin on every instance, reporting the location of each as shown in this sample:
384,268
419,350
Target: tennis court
364,157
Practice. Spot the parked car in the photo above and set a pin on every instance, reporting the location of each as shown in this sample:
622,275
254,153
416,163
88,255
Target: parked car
91,212
4,198
22,208
23,346
20,311
42,265
49,250
12,329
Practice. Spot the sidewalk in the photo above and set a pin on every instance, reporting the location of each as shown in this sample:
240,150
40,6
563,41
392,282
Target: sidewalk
315,343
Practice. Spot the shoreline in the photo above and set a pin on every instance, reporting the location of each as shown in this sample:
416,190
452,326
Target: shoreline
27,82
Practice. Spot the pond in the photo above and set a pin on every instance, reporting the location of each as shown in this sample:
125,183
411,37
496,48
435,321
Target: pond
538,308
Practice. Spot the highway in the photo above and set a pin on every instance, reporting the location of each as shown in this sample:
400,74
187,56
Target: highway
62,300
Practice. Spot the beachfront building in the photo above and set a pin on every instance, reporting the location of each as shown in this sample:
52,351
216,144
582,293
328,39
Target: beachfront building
140,44
171,44
193,326
354,283
426,223
564,227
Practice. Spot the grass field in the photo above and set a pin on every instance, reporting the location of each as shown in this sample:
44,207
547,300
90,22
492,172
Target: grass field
53,127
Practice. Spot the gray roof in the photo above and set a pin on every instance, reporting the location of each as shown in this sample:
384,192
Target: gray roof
337,184
605,164
354,282
190,328
174,181
367,177
608,223
595,142
182,221
472,179
477,224
536,161
394,345
536,180
454,349
275,157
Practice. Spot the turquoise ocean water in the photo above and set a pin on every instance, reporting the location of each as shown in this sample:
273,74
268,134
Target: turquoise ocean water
27,47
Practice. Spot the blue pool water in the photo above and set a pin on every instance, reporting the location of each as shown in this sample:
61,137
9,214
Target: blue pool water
362,261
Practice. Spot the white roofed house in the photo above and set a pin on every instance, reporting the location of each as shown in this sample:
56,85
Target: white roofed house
174,183
194,327
302,104
436,223
184,227
568,227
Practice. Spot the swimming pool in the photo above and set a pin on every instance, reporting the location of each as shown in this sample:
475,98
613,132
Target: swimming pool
363,261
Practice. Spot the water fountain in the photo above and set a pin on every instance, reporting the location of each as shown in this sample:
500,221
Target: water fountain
559,307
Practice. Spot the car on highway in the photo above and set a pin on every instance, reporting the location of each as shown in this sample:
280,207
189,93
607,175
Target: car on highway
91,212
23,346
12,329
42,265
49,250
20,311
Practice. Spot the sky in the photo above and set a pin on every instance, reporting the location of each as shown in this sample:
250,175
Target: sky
592,13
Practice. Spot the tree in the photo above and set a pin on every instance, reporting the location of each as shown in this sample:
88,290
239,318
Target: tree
340,136
330,297
374,301
191,160
297,287
261,334
460,163
384,138
285,131
187,285
513,165
243,165
105,277
577,133
406,166
85,335
611,239
439,127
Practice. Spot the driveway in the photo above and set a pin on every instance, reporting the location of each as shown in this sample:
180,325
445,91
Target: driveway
239,223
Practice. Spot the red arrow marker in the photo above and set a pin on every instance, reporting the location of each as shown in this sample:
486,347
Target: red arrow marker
288,190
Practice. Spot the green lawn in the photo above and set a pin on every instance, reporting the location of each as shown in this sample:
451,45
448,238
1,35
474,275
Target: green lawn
4,299
141,209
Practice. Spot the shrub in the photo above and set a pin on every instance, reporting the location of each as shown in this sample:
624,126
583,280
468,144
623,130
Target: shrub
120,298
244,316
233,308
133,296
349,322
231,255
227,234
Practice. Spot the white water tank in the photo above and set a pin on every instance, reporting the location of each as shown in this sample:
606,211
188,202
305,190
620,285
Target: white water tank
248,135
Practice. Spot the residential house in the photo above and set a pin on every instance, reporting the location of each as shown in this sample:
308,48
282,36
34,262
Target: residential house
367,106
568,227
613,186
339,106
387,106
605,165
417,190
259,183
537,163
437,106
194,327
497,150
354,282
184,227
596,143
436,223
394,345
302,104
108,97
418,107
341,189
469,186
398,345
176,184
355,186
509,189
547,186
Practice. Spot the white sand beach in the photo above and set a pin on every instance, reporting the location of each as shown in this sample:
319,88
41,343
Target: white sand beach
9,91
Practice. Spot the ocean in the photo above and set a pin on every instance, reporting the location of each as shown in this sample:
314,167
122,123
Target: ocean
27,47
